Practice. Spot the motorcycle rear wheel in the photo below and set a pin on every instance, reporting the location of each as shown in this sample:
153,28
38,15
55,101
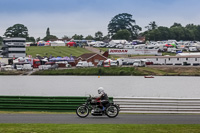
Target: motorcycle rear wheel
112,111
82,111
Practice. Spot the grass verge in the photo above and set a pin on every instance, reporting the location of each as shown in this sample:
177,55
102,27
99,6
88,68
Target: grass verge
55,51
126,71
97,128
114,71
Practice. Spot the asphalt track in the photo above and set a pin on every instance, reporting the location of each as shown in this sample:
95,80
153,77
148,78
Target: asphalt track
121,119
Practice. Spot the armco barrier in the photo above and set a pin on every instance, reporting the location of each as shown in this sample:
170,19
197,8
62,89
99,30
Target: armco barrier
158,105
127,104
41,103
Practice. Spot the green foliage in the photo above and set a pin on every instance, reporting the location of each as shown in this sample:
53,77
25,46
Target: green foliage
121,22
77,37
152,26
112,71
99,36
38,39
122,34
48,32
30,39
17,30
89,37
176,31
65,37
1,40
95,128
50,37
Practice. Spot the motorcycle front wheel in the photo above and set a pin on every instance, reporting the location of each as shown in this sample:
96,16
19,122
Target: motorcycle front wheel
82,111
112,111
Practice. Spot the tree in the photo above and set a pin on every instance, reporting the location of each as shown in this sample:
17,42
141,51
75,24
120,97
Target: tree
136,30
99,36
176,25
17,30
30,39
122,34
89,37
48,32
77,37
38,39
50,37
106,38
1,40
177,33
121,22
152,26
65,37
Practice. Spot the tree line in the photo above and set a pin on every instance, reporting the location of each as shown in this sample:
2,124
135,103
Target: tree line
178,32
121,26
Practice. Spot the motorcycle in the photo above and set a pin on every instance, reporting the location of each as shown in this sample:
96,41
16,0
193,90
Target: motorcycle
92,105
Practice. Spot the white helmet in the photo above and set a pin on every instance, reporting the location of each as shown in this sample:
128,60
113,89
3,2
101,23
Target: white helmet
100,90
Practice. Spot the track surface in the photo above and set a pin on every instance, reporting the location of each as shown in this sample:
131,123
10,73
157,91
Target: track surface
121,119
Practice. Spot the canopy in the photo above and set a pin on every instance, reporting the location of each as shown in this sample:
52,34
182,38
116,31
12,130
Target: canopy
173,45
71,43
68,58
62,59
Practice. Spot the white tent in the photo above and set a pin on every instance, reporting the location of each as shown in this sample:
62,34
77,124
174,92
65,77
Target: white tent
57,43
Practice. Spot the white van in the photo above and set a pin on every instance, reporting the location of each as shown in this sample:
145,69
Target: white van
84,64
27,67
139,63
19,67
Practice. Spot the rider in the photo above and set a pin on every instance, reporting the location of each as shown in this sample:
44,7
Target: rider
103,98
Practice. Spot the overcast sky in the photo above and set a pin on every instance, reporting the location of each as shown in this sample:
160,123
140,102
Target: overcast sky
69,17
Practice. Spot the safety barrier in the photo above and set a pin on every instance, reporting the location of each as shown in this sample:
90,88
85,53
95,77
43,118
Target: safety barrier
158,105
127,104
41,103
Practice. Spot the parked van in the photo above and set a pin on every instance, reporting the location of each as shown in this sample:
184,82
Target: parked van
84,64
44,67
111,63
36,63
193,49
139,63
27,67
19,67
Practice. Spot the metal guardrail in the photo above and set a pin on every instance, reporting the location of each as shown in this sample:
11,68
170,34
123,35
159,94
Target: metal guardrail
158,105
40,103
127,104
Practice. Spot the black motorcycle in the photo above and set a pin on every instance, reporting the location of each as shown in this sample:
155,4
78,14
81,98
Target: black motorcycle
92,105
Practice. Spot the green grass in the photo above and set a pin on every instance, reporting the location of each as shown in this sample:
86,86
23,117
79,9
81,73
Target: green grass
11,73
97,128
167,53
55,51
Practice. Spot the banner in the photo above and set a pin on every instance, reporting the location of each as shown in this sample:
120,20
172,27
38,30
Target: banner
134,51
